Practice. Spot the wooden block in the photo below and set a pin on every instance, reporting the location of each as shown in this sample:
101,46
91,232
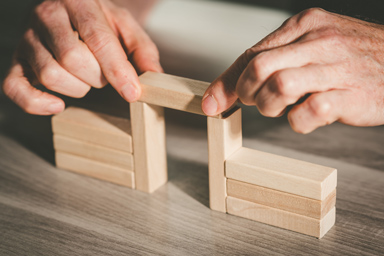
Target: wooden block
97,128
281,173
224,138
94,152
173,92
148,129
95,169
282,219
276,199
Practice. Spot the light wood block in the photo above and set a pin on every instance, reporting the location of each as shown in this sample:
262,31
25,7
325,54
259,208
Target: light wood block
281,173
224,138
95,169
276,199
282,219
150,157
173,92
94,152
97,128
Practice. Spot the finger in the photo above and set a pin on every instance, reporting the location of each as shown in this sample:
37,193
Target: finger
267,63
73,55
139,47
221,92
105,46
17,87
287,86
318,110
48,71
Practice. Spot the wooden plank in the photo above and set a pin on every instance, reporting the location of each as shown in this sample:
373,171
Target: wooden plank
95,169
281,173
173,92
97,128
94,152
282,219
150,157
224,138
276,199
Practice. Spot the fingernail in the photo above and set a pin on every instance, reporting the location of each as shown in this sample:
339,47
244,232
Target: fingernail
158,67
55,108
129,92
210,105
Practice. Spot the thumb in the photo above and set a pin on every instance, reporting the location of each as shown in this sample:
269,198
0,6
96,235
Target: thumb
221,94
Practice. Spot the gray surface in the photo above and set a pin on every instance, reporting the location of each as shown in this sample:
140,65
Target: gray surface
46,211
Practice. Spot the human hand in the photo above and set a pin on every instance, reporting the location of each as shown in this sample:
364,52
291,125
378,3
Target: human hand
337,61
71,46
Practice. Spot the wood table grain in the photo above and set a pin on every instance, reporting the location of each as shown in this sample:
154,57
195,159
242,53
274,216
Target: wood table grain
47,211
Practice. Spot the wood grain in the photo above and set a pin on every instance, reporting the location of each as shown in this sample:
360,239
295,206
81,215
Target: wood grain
95,169
284,201
97,128
95,152
173,92
282,219
224,138
148,129
281,173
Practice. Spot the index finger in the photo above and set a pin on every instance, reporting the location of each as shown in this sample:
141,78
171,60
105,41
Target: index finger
94,29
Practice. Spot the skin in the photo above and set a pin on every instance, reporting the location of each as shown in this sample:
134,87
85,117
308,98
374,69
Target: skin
71,46
329,67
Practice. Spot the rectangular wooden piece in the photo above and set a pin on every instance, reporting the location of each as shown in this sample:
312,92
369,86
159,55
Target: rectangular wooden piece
224,138
150,156
173,92
97,128
282,219
280,200
95,152
95,169
281,173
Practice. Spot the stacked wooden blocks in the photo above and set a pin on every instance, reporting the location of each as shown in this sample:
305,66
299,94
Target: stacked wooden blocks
281,191
94,144
271,189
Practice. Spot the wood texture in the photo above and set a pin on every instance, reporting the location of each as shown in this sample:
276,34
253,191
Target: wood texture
95,152
95,169
97,128
173,92
224,138
148,129
282,219
281,173
280,200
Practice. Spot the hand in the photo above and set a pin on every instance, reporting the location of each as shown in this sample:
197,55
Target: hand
333,64
74,45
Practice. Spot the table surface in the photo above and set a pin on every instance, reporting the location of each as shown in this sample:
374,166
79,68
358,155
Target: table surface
47,211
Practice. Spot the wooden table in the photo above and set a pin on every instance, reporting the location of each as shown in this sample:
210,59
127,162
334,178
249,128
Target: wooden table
47,211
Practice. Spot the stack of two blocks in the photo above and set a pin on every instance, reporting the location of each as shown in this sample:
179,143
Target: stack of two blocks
94,144
280,191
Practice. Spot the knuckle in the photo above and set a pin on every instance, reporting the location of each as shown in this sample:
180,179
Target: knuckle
259,64
284,84
45,10
98,41
319,108
70,58
309,16
10,87
49,76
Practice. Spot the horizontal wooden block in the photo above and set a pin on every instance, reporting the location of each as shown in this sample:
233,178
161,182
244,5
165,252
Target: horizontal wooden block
94,152
95,169
280,200
173,92
281,173
282,219
97,128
